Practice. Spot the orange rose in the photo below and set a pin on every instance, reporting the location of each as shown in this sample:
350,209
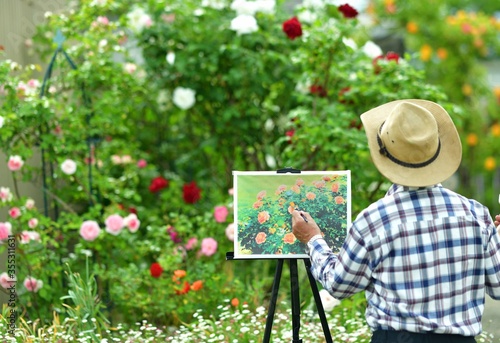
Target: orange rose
412,27
310,196
472,139
263,217
235,302
289,238
178,274
326,178
335,187
280,189
257,204
339,200
261,195
296,189
490,164
260,238
197,285
319,184
495,130
299,182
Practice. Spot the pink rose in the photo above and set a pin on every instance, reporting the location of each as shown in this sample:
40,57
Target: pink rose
142,163
33,223
192,242
220,214
102,20
5,230
230,232
15,163
27,236
32,284
263,217
5,281
114,224
30,204
5,194
132,222
208,246
15,212
90,230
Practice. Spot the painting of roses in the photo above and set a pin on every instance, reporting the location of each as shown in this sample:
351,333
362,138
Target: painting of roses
264,202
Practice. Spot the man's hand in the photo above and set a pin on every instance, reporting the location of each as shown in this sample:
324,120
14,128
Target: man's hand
497,220
304,230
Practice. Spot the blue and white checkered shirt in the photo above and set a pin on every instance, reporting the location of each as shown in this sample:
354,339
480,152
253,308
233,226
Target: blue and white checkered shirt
425,257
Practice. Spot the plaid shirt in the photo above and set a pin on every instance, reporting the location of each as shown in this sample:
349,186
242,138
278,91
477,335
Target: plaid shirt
425,257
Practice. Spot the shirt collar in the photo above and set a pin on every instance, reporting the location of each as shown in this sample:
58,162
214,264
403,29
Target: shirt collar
395,188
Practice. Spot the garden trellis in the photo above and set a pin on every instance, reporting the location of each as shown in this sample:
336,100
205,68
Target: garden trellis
91,141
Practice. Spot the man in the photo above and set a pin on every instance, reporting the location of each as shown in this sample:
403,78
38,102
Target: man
424,255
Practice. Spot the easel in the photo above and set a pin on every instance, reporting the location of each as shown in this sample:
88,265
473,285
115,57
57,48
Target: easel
295,295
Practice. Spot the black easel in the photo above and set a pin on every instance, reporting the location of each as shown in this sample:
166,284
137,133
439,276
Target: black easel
295,295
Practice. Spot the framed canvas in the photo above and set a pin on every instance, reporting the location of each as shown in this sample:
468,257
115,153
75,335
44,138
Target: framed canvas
264,201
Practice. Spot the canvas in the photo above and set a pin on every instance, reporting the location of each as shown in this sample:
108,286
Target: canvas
263,202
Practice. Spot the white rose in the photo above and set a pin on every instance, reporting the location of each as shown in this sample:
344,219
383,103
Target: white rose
215,4
265,6
184,98
327,300
350,43
307,17
68,167
244,7
170,57
244,24
371,49
138,19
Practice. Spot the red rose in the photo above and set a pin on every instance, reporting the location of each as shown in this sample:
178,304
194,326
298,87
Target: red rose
390,56
290,133
191,193
319,90
157,184
156,270
348,11
292,28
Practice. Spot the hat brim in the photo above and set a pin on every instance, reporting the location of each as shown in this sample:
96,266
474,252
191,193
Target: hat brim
444,166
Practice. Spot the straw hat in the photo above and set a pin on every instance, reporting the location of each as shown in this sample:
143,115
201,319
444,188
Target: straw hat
413,142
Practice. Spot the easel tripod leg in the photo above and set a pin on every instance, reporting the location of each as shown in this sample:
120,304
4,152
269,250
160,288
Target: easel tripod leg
294,282
272,303
319,304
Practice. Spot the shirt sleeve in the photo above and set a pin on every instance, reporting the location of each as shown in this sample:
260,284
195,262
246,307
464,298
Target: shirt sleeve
343,274
492,265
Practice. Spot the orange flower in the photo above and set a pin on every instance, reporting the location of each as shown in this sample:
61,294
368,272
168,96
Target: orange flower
299,182
280,189
467,89
339,200
260,238
197,285
495,130
326,178
335,187
263,217
178,274
319,184
472,139
490,164
235,302
310,195
257,204
442,53
412,27
261,195
296,189
425,52
289,238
